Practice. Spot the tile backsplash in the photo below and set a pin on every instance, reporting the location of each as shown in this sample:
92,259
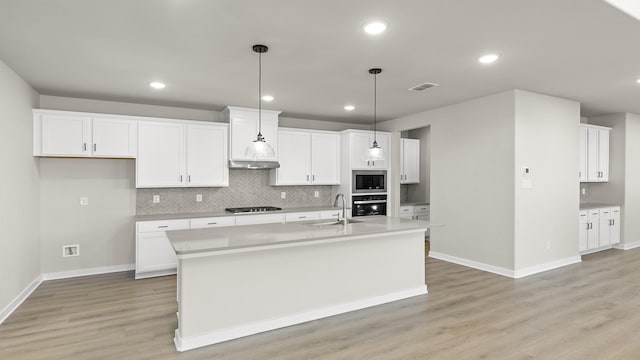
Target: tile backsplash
246,188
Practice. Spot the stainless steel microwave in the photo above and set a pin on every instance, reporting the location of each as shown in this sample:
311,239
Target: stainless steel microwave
369,181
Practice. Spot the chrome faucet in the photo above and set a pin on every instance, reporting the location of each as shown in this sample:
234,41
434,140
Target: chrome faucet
344,208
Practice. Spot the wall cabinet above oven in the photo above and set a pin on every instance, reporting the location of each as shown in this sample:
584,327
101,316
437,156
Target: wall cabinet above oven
307,158
355,144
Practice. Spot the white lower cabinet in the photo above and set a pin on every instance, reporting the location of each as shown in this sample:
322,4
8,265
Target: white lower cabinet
302,216
154,253
259,219
406,212
599,229
333,214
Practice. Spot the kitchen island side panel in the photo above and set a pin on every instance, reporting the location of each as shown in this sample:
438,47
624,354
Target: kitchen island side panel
234,295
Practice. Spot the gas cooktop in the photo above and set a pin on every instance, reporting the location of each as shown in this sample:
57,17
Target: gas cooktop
253,209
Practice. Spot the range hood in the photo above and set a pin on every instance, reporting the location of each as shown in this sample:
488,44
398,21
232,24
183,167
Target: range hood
253,164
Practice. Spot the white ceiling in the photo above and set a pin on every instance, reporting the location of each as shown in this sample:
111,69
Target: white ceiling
583,50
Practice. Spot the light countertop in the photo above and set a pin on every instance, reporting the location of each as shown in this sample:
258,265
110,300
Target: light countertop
587,206
217,241
413,203
198,215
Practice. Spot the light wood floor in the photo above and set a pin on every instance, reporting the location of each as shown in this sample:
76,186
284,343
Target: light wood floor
584,311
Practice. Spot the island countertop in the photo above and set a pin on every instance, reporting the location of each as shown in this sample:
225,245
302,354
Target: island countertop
218,241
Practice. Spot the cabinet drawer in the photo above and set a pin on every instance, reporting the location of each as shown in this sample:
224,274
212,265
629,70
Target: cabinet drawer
162,225
615,212
333,214
406,210
605,213
213,222
303,216
421,208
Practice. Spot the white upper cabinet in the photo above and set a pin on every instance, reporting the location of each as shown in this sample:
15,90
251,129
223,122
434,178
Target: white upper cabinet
410,161
69,134
357,142
172,154
307,158
594,154
243,129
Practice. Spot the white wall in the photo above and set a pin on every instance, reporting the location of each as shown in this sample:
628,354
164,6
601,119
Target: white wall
472,164
104,229
19,188
631,214
546,141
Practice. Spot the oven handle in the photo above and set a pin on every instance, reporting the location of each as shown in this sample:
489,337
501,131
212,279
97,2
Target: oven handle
370,202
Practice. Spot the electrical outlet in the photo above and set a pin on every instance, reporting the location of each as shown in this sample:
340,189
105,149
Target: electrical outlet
198,197
156,199
84,200
70,250
283,195
316,193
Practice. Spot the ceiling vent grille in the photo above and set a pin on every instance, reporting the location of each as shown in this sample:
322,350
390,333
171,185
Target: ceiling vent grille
423,86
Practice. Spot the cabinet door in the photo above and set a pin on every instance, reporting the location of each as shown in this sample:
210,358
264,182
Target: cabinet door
594,226
294,157
359,143
604,236
207,163
66,135
582,171
384,141
114,138
259,219
592,155
603,155
325,159
302,216
582,230
410,161
154,252
614,232
406,212
161,155
244,130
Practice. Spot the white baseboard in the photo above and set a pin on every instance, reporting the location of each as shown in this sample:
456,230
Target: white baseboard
546,266
628,246
86,272
472,264
24,294
187,343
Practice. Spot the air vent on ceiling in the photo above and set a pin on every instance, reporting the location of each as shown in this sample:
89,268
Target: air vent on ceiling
423,86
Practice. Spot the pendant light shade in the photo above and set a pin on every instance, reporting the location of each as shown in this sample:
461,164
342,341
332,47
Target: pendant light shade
375,152
259,149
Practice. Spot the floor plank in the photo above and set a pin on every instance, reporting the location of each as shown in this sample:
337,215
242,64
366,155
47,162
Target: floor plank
589,310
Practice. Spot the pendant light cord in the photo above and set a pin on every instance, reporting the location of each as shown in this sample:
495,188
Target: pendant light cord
260,94
375,106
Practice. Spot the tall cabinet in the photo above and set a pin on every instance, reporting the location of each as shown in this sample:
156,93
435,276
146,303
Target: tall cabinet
594,153
410,161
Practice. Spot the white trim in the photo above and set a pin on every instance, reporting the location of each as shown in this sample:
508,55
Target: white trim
187,343
472,264
86,272
595,250
546,266
627,246
18,300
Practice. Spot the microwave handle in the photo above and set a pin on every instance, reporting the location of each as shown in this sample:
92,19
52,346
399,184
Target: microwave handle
370,202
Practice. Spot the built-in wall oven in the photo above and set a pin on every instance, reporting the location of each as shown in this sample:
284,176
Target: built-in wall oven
367,205
369,181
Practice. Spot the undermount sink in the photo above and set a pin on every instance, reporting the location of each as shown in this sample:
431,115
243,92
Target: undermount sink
332,222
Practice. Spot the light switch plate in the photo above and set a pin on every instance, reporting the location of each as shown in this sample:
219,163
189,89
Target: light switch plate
198,197
283,195
84,200
156,199
316,193
525,170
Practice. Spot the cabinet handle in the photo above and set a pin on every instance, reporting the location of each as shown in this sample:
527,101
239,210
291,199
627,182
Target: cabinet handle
307,177
302,217
367,162
313,177
213,223
84,146
180,178
95,147
163,226
373,163
189,178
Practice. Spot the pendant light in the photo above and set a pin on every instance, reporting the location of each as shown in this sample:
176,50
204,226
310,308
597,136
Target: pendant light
375,152
259,149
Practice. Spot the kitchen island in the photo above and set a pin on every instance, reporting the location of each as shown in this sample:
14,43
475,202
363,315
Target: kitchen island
238,281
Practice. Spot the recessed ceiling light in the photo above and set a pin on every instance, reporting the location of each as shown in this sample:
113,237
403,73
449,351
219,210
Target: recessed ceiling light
157,85
488,58
267,98
349,107
375,27
638,81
